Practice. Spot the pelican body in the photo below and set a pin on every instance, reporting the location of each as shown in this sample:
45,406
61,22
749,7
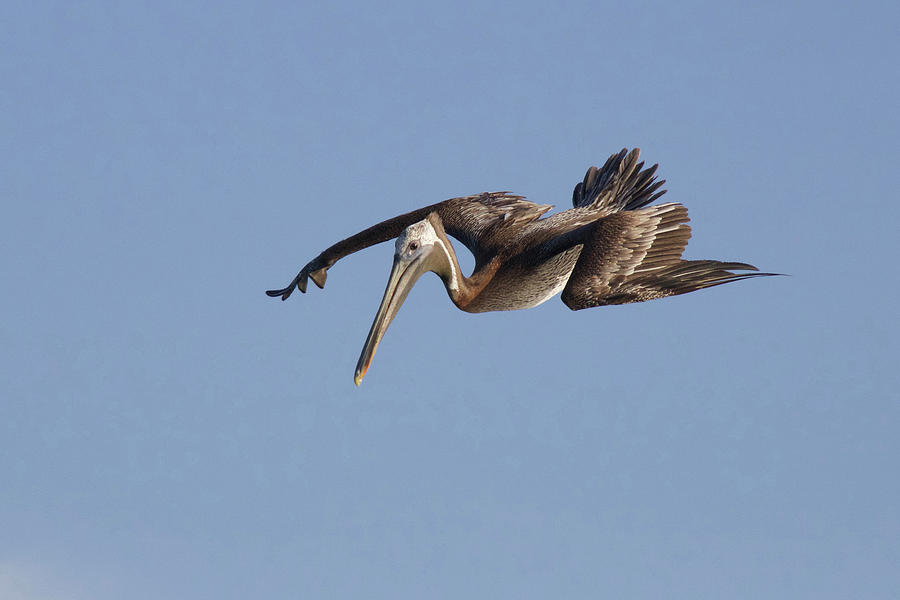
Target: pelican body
609,248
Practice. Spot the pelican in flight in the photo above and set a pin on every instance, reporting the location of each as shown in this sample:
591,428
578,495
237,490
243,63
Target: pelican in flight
610,248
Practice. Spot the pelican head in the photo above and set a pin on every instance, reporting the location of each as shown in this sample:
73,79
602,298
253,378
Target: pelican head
418,249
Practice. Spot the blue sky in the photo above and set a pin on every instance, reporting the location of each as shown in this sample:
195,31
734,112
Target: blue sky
168,431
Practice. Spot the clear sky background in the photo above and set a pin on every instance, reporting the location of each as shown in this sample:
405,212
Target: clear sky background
168,431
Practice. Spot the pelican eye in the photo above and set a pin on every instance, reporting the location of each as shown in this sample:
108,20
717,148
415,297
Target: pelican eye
413,246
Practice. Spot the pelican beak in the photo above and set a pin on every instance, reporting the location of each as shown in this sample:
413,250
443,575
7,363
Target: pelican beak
404,275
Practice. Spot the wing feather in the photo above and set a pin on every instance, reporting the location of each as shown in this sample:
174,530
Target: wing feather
484,223
634,256
620,184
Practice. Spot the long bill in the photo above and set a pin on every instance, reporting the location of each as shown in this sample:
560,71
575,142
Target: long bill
404,275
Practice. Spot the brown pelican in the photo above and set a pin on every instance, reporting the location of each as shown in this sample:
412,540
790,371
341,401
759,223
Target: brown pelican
610,248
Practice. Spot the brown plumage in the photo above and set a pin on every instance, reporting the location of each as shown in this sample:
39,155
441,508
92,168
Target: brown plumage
610,248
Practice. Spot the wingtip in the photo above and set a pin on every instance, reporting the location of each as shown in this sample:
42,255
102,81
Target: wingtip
276,293
285,293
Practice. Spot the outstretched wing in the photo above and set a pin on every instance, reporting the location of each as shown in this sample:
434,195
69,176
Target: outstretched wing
483,223
633,256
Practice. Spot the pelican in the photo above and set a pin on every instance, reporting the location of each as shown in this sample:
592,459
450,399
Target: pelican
609,248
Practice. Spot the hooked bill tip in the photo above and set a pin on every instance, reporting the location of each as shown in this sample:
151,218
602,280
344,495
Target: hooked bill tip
358,376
